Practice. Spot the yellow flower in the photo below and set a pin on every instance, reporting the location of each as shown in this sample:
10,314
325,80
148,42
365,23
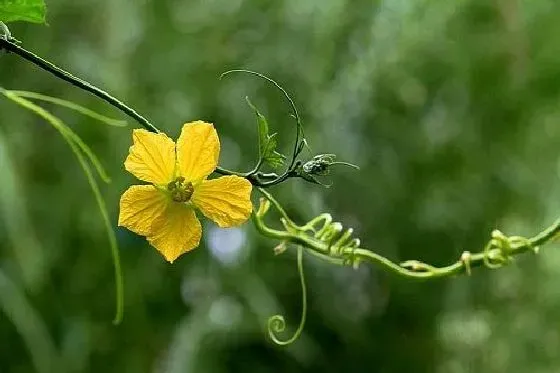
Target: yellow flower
164,212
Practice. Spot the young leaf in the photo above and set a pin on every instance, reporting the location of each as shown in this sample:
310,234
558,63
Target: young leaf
22,10
267,142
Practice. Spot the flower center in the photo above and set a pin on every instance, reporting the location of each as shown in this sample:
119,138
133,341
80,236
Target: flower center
180,190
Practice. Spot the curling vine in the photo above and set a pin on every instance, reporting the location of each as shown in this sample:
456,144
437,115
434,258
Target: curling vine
322,236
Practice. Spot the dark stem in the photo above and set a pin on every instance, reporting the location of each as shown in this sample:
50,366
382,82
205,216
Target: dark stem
8,43
75,81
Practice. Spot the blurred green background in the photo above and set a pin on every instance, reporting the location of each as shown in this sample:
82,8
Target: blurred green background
451,108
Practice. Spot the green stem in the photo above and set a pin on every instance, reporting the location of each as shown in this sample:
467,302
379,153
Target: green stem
299,126
545,236
60,73
299,143
277,206
277,324
411,268
257,167
62,128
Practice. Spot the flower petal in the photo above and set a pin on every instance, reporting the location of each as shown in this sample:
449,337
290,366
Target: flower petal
140,205
198,149
176,231
151,157
225,200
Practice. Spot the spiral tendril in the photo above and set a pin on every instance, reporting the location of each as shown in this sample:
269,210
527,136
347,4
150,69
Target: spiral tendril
277,324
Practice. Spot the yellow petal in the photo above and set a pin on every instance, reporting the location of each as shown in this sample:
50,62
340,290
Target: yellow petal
225,200
176,231
140,205
151,157
198,149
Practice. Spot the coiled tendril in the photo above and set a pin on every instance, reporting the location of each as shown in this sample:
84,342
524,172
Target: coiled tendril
340,244
277,323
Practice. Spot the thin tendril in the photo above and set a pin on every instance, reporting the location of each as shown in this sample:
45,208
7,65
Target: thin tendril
63,129
72,106
276,205
356,167
277,324
73,136
299,125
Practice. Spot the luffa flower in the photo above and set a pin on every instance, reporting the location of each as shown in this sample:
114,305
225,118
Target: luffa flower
164,212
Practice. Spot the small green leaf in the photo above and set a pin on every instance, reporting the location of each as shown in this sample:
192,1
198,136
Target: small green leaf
267,142
270,155
22,10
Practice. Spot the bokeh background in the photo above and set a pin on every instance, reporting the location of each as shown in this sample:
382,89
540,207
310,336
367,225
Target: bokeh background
451,108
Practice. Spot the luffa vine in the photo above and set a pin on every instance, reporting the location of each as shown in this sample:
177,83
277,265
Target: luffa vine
321,237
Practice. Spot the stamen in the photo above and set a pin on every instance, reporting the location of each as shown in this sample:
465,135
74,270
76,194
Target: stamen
180,190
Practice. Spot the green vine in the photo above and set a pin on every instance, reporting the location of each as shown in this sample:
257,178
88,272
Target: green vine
84,153
321,236
277,324
327,239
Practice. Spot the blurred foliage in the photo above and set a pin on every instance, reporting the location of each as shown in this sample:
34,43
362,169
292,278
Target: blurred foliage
22,10
449,108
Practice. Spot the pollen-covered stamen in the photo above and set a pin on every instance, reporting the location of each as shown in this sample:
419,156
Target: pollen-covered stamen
180,190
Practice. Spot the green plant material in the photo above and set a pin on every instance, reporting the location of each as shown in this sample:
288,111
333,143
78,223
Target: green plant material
299,143
6,34
10,44
77,150
75,138
267,142
320,165
277,324
72,106
256,178
332,243
84,111
23,10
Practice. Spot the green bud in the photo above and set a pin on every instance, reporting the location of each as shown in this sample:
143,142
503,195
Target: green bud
320,165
